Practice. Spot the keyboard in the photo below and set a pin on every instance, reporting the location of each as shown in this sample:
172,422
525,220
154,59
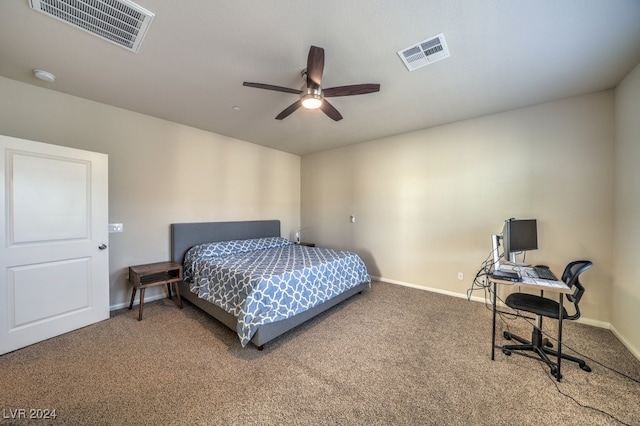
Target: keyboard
545,273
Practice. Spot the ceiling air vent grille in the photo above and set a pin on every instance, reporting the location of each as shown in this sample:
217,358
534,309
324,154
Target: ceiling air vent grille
424,53
119,21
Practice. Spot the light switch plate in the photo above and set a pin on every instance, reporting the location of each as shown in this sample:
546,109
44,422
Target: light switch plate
116,227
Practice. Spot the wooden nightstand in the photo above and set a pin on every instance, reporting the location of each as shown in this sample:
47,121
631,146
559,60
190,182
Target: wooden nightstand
152,274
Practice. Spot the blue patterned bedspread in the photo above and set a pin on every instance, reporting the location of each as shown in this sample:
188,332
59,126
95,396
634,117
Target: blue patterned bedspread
265,280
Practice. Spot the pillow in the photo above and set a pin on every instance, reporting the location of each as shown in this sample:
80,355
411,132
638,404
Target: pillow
225,248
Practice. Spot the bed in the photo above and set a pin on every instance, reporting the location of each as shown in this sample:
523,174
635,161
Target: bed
217,250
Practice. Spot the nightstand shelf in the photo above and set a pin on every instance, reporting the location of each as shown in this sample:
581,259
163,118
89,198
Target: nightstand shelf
154,274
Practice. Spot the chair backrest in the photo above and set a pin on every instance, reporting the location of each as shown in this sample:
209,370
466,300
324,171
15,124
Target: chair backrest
571,276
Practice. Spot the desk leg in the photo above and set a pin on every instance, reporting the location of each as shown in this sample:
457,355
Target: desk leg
559,337
493,329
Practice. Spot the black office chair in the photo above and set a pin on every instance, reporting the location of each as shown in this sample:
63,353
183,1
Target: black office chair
543,307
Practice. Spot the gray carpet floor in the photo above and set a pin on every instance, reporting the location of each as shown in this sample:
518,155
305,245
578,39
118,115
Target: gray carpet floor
393,355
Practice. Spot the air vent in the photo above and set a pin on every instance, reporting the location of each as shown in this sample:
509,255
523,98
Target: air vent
121,22
424,53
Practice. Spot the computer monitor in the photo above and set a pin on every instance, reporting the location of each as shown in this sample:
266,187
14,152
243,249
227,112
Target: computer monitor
519,235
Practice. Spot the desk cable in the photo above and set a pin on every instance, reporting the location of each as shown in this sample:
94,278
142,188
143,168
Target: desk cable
555,383
564,345
479,281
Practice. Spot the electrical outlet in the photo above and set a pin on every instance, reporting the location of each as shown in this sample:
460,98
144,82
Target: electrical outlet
460,276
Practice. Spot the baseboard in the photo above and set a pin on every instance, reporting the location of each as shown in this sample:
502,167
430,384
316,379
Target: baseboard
147,298
625,342
594,323
582,320
431,289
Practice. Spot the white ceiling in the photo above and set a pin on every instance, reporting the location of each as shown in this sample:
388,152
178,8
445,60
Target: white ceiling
505,54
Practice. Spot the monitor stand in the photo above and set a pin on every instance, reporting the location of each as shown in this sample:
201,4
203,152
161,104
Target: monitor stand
510,262
513,260
494,247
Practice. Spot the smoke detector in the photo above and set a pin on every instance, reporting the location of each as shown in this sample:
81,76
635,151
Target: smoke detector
121,22
425,52
44,76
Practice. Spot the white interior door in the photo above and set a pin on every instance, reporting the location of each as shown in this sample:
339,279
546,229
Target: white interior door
54,263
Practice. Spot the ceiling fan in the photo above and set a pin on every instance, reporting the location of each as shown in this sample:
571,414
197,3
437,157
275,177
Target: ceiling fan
312,95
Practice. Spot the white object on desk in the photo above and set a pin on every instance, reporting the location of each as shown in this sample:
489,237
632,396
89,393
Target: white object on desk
508,267
545,283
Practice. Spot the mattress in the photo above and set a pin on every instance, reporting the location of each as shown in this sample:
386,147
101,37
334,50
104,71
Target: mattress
264,280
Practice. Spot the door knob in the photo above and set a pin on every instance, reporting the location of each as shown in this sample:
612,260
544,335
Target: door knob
102,246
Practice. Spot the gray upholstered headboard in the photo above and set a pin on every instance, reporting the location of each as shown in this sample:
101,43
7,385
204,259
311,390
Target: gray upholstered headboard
186,235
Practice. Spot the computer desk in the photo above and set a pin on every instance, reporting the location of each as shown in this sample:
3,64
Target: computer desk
555,286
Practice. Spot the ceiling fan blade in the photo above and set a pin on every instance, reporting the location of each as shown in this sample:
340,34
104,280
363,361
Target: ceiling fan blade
315,66
272,87
288,110
356,89
330,110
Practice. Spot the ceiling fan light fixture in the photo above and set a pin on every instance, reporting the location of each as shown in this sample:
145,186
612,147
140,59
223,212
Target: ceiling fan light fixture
311,98
311,102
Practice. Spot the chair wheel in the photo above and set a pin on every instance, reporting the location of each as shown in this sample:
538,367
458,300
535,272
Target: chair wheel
507,352
586,368
506,335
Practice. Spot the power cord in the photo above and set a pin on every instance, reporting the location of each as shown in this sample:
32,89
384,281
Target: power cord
555,383
479,281
553,378
564,345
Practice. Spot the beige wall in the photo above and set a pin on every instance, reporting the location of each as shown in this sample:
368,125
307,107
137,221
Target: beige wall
427,202
159,172
625,306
